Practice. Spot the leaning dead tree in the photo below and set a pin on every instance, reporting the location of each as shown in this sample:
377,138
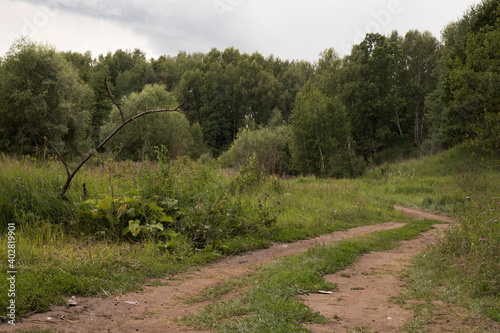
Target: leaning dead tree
88,156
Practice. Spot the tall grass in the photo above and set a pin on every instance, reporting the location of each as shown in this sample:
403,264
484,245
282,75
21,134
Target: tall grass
63,248
465,184
474,243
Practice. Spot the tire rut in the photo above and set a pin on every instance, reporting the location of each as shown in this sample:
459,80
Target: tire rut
364,289
154,308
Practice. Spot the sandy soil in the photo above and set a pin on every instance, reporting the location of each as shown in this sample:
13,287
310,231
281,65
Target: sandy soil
360,301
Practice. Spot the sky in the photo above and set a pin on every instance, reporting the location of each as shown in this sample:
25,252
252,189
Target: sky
288,29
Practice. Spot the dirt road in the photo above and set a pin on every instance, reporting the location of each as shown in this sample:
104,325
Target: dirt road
360,301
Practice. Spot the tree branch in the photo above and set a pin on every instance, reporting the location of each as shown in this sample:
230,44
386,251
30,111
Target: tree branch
58,154
113,99
91,153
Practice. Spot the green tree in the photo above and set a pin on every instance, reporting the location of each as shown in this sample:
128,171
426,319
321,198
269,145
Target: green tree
371,90
474,83
134,79
137,141
320,134
42,95
198,144
420,51
93,74
468,87
228,89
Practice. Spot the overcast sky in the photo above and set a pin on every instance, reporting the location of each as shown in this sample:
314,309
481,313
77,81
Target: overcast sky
289,29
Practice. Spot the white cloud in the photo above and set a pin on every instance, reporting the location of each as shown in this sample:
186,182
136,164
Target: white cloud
291,29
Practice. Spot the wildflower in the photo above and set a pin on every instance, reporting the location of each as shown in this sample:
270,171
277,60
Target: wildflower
467,198
462,265
482,239
495,221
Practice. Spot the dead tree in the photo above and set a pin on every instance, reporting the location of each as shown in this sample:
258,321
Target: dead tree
88,156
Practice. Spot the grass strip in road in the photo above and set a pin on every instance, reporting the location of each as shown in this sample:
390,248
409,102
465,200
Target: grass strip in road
270,303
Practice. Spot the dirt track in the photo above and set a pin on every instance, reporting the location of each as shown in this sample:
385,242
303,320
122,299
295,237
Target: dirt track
360,301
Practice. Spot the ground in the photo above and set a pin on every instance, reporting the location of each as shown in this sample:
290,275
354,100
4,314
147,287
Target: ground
361,302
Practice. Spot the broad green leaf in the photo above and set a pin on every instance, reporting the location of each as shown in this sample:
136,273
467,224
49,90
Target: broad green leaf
155,207
170,233
166,219
125,231
134,227
105,204
158,226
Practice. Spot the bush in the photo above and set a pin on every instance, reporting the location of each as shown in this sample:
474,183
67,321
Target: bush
269,145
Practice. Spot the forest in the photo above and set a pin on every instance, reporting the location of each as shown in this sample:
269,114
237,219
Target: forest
393,96
198,157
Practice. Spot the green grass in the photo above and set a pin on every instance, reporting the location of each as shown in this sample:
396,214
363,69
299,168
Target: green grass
270,304
433,278
63,250
464,268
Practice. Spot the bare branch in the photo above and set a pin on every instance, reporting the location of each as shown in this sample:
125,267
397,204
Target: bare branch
58,154
113,99
116,130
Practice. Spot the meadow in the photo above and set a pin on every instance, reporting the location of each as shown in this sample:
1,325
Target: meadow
125,223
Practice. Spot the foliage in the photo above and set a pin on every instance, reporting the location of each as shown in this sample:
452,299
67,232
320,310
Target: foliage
198,145
470,83
227,88
320,135
133,216
41,95
420,56
374,98
93,74
137,140
250,175
487,132
269,145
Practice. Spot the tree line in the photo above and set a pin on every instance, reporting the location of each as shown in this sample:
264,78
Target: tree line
391,94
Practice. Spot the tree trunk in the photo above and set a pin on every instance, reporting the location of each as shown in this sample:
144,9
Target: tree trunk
322,160
416,138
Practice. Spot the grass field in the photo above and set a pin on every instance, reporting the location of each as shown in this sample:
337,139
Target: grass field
131,222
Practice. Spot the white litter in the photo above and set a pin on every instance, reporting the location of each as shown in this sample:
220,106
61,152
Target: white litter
72,301
132,302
